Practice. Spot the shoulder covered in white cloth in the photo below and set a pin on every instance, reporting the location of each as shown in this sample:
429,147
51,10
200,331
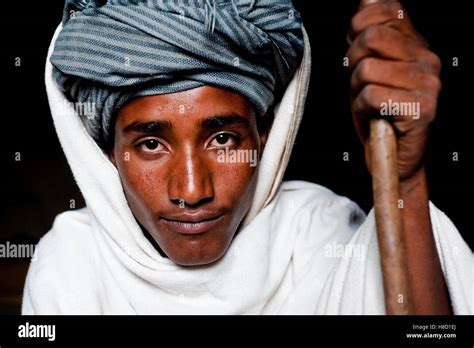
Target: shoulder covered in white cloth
64,255
332,266
67,257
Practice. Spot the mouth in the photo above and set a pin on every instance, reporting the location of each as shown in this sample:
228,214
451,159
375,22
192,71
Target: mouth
192,224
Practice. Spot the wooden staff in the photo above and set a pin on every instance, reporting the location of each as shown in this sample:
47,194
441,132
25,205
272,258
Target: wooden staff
389,220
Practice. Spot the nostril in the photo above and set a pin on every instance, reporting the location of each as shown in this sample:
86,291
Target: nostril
192,203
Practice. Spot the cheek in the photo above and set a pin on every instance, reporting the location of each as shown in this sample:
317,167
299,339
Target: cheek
141,182
239,180
235,184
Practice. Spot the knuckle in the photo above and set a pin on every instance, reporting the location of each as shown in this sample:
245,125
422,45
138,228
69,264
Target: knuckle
365,68
355,25
371,36
374,36
392,8
429,82
361,103
355,82
429,106
437,64
434,83
363,74
369,96
433,61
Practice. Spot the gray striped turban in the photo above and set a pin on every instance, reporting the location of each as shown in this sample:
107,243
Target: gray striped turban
110,52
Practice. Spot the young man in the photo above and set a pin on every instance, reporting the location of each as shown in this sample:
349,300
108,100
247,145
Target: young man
196,108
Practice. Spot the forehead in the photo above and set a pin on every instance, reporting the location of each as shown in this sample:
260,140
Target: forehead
199,102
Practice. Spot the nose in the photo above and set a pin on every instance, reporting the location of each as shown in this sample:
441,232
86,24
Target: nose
190,181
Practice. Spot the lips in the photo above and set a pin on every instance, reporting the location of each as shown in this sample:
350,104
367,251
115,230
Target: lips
192,223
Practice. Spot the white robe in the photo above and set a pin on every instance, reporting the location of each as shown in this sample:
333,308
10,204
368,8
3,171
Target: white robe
302,249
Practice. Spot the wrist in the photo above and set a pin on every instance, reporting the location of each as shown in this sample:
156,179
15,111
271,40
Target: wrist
415,183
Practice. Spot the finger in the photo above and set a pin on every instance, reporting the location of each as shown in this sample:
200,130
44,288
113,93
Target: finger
389,13
401,107
383,42
409,76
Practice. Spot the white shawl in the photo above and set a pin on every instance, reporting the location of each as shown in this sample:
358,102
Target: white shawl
286,258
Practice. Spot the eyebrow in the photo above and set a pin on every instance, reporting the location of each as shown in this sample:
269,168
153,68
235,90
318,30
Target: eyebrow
151,127
212,123
220,121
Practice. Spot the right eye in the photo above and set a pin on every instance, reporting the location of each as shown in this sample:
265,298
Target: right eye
150,146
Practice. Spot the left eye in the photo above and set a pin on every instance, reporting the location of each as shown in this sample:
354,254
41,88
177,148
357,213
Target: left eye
222,140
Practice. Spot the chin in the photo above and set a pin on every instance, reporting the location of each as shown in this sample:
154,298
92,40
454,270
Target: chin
198,250
195,262
195,249
189,259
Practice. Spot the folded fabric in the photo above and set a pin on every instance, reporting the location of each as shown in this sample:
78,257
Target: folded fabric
107,54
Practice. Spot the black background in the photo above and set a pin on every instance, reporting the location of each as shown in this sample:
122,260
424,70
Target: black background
251,331
34,190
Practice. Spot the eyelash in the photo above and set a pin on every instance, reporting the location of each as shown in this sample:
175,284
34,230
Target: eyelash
234,137
140,145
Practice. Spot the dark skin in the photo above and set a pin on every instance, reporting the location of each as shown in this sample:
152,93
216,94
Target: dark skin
390,60
170,168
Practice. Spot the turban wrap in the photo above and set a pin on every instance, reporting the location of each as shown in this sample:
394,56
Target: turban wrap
109,52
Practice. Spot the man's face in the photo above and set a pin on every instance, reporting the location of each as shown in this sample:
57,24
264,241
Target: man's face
182,184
